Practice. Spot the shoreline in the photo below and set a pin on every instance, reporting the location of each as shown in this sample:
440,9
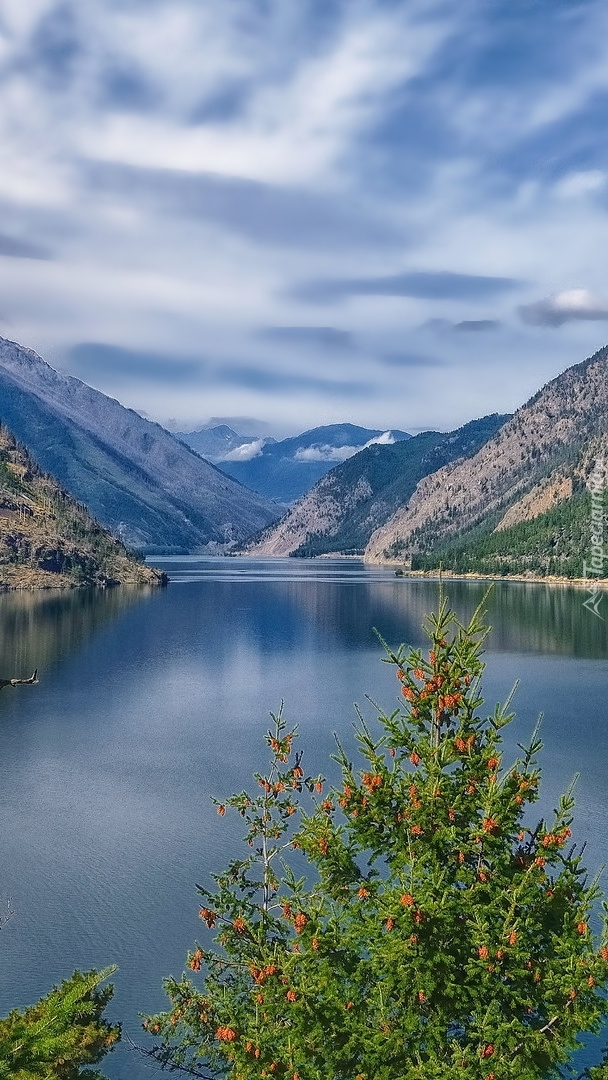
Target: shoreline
535,579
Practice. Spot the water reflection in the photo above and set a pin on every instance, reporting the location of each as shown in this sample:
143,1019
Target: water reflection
344,598
38,627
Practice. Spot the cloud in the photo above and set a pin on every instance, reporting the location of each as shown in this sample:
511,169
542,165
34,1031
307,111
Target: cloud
246,452
267,381
15,248
265,213
419,284
90,360
567,306
341,453
325,337
476,325
406,359
310,92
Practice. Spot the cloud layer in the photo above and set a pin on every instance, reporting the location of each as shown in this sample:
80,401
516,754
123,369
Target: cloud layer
385,211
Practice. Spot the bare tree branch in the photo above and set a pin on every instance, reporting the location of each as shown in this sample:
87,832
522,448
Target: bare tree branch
19,682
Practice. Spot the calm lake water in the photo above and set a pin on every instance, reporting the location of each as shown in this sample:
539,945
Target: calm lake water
152,701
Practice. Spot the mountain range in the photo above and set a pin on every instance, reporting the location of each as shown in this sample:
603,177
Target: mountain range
285,469
149,489
350,502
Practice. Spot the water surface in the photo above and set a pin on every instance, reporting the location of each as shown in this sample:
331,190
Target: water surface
151,701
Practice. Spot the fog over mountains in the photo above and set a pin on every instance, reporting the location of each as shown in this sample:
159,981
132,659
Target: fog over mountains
342,510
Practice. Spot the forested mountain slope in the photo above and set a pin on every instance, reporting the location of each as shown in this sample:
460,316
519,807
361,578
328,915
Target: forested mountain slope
47,540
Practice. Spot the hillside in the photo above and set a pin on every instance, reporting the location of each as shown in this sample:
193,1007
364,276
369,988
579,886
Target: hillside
149,489
520,503
344,508
284,469
49,541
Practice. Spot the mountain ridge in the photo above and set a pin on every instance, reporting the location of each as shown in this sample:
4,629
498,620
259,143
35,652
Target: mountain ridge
150,490
285,469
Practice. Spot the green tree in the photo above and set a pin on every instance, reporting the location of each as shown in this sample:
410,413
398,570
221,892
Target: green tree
441,932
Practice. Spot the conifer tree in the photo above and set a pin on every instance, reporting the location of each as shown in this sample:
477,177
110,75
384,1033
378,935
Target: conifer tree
442,933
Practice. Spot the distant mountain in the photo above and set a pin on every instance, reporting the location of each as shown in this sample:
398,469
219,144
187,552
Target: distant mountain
215,443
284,470
344,508
153,492
521,503
47,540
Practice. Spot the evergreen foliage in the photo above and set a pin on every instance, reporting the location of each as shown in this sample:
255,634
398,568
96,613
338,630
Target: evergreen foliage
441,933
47,538
63,1032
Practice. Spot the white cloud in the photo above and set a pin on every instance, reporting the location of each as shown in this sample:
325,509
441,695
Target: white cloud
565,306
386,439
580,183
340,453
246,452
325,453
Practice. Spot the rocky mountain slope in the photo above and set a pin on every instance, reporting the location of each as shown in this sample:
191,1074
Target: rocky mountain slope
149,489
520,501
47,540
344,508
284,469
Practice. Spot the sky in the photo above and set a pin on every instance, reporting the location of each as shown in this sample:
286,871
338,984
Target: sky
285,213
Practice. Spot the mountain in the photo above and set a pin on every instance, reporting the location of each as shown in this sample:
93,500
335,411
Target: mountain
286,469
521,503
344,508
217,443
47,540
149,489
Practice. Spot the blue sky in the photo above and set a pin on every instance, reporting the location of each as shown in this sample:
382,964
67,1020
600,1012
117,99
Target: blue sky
284,213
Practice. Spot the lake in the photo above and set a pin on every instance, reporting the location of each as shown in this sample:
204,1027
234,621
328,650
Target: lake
151,702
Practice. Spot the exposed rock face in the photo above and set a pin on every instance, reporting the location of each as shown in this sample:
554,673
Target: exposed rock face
553,430
49,541
342,510
148,488
554,489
